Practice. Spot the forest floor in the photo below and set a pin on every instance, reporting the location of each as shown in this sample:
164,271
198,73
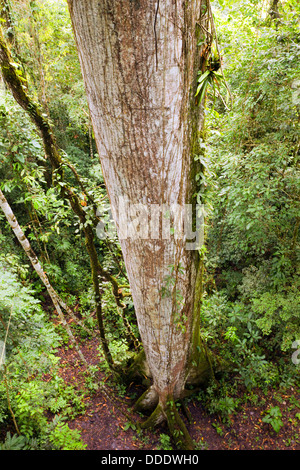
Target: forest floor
109,423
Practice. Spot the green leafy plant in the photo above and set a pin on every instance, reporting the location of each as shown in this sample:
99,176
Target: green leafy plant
64,438
273,417
218,429
15,442
210,79
130,425
165,442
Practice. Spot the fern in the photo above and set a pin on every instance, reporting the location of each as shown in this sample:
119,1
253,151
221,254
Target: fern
15,442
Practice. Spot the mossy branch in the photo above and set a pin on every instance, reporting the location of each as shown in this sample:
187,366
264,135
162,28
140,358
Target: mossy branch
17,83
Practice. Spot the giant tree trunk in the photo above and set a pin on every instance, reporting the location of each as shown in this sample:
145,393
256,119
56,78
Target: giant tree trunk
139,61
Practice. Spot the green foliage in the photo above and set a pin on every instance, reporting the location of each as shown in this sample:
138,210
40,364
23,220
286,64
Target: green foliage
248,180
64,438
233,329
15,442
165,442
217,400
210,79
130,425
56,436
279,313
29,410
251,308
273,417
30,379
27,325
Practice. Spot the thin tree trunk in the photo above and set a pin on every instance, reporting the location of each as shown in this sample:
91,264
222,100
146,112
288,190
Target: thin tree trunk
38,268
140,61
274,10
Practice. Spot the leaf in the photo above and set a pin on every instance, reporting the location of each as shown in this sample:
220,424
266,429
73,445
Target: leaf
218,74
199,88
203,92
203,76
36,144
14,64
20,157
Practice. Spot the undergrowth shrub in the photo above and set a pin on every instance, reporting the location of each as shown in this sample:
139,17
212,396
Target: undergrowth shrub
32,394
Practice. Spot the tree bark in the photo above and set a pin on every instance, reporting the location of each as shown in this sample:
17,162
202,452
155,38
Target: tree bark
274,10
140,60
